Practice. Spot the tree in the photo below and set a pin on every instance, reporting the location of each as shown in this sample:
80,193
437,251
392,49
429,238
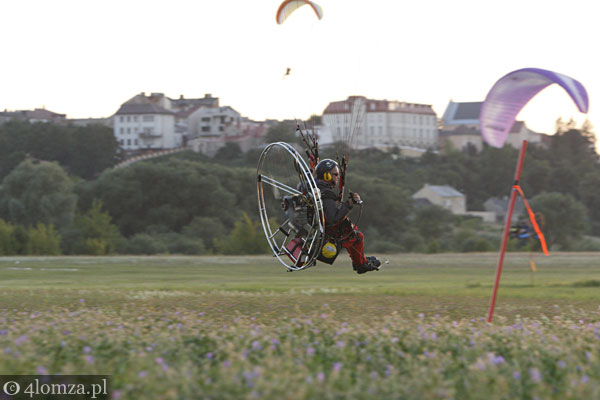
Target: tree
432,221
231,151
246,238
38,192
93,149
95,233
42,240
282,132
206,229
565,218
8,245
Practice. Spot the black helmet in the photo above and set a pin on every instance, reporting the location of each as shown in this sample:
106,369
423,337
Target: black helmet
324,168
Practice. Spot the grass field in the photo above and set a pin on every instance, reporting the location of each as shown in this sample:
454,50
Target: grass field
241,327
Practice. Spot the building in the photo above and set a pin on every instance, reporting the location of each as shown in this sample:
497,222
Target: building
451,199
146,122
36,115
460,127
444,196
156,122
383,124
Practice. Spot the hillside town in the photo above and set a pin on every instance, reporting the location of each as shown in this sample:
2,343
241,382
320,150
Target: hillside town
154,122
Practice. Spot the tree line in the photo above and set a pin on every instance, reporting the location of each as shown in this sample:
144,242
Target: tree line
186,203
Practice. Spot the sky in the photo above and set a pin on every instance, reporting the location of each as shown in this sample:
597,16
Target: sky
85,58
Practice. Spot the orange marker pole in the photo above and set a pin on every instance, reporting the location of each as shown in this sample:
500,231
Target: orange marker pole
513,197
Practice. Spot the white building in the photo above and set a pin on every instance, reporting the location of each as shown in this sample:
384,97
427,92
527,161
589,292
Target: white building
146,126
382,123
156,122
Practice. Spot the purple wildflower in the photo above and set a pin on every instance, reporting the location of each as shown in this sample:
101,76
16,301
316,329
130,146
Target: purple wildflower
535,375
516,375
87,349
21,339
320,377
142,374
41,370
337,367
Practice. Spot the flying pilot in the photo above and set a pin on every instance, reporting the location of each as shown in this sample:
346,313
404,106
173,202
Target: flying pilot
338,226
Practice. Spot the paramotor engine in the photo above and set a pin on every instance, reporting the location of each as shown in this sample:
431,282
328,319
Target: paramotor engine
290,206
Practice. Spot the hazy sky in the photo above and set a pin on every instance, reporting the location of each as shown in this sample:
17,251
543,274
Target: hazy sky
85,58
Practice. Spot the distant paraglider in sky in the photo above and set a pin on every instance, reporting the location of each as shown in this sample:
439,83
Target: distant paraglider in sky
289,6
513,91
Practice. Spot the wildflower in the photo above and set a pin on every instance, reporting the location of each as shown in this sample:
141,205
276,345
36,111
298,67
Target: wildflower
535,375
320,377
87,349
516,375
310,351
480,365
256,345
323,316
41,370
209,355
309,379
3,332
142,374
337,367
21,339
421,315
585,379
89,359
561,364
388,370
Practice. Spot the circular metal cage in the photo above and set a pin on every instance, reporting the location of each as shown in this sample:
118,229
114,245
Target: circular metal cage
290,206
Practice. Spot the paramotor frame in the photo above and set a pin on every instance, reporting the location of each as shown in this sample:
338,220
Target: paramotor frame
290,206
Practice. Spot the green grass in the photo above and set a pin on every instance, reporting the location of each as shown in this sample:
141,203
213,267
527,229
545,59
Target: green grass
242,327
454,284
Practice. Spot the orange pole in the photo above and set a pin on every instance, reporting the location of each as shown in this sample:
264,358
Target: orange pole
513,197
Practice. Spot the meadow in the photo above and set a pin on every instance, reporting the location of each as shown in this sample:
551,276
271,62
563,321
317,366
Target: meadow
175,327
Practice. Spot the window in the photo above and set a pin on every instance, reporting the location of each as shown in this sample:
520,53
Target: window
206,129
121,118
128,142
135,141
135,118
121,142
128,130
148,118
121,131
128,118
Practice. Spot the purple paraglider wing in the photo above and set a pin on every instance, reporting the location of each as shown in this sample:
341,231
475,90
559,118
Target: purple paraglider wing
510,94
